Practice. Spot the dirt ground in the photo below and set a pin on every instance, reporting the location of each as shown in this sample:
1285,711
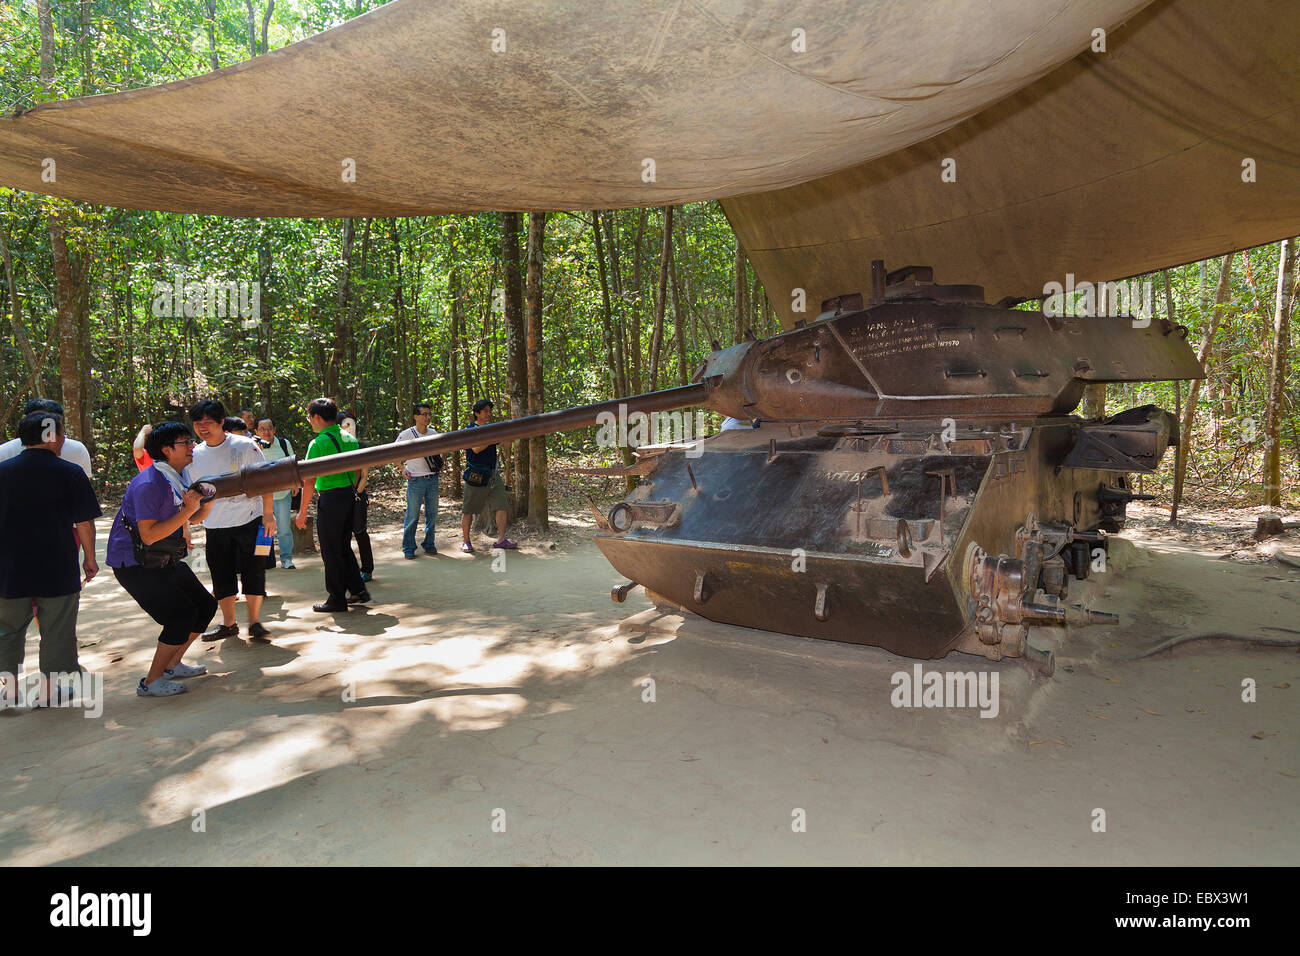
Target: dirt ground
501,717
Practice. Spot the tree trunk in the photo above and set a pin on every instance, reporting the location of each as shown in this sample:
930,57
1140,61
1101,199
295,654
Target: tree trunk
66,326
1184,447
266,22
661,300
87,49
210,16
46,24
638,380
516,345
339,348
1093,404
264,260
679,325
16,311
252,27
615,276
742,294
453,360
357,363
1277,375
613,344
537,505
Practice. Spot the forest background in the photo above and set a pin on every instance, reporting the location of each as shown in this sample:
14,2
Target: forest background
537,312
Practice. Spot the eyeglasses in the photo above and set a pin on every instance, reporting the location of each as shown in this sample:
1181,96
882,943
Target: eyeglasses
183,441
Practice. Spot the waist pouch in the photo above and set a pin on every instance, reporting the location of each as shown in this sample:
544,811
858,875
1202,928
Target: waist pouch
477,475
160,554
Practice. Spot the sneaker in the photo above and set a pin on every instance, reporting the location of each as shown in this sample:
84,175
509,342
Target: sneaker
506,544
257,630
222,632
365,575
288,566
466,547
328,608
162,687
432,552
185,670
362,598
409,557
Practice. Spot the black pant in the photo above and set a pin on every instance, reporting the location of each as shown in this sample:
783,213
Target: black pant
360,512
230,552
334,530
172,596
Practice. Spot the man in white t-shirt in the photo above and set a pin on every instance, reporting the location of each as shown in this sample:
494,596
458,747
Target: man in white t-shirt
421,484
232,524
73,450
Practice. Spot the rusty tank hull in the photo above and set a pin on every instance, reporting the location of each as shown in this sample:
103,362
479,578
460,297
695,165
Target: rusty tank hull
913,479
874,540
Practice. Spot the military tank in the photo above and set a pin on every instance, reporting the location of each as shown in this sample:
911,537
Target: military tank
909,474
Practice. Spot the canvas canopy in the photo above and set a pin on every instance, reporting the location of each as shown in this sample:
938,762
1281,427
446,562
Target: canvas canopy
822,124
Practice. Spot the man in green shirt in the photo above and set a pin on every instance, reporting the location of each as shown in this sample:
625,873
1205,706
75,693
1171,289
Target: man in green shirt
334,513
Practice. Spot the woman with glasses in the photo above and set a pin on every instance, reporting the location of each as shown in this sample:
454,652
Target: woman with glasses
145,547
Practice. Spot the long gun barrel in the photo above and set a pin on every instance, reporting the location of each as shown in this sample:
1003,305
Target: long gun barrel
288,473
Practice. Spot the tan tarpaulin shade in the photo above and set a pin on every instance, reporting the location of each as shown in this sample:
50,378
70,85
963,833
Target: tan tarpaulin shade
1113,165
1099,164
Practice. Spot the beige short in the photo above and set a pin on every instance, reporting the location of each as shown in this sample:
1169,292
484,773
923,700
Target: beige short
478,497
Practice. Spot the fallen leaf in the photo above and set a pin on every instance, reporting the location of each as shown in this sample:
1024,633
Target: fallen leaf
1058,740
1190,710
1151,712
825,741
1113,680
1260,734
1282,684
1098,716
1032,742
115,660
1291,775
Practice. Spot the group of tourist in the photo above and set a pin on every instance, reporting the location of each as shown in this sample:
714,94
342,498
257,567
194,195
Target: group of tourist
48,507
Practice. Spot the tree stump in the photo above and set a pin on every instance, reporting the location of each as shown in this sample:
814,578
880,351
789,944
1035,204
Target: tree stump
1266,526
304,539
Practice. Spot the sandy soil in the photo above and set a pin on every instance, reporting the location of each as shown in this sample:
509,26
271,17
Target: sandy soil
518,697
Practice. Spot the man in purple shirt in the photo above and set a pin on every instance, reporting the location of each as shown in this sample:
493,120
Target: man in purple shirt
157,506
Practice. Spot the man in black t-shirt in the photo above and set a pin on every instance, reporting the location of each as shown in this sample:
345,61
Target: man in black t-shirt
483,485
47,508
